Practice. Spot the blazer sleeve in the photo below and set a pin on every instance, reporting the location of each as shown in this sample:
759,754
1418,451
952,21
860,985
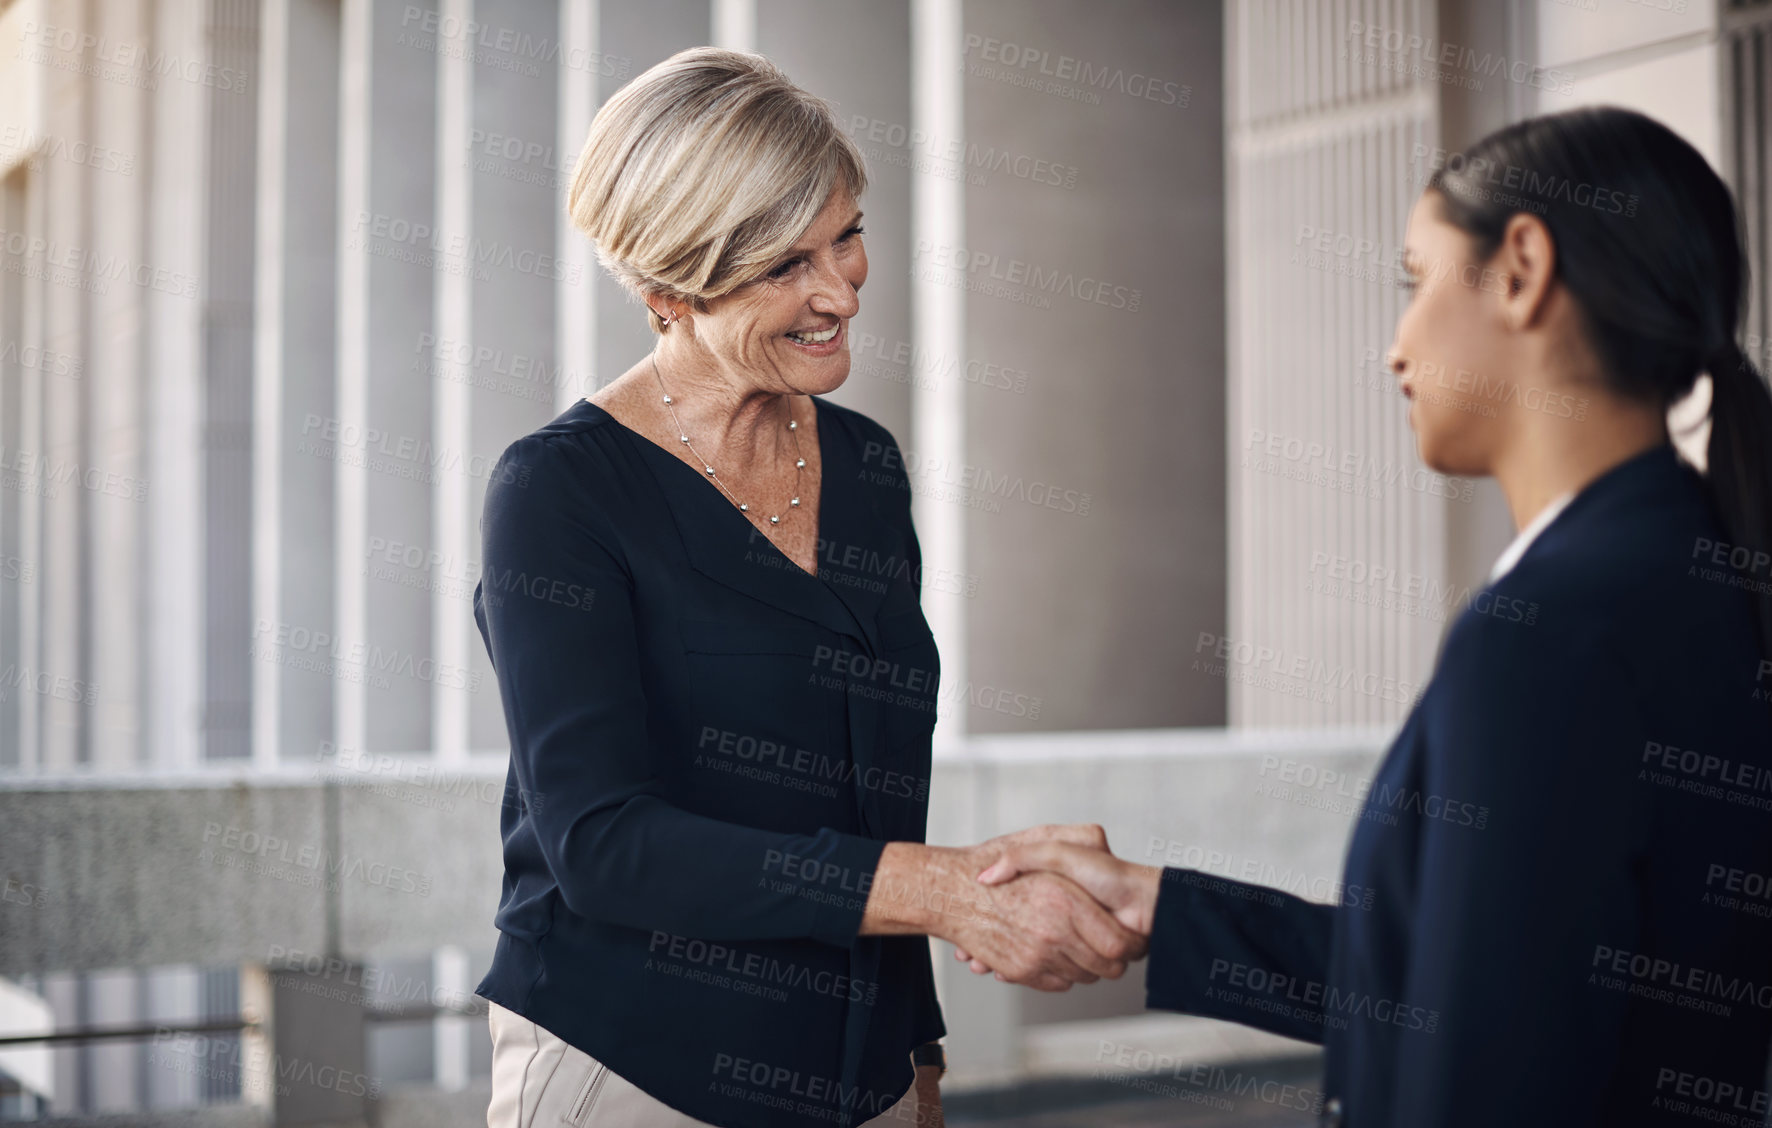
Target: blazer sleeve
1244,953
1540,734
559,622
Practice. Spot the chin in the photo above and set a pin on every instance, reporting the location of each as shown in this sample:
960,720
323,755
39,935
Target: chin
1445,458
824,379
1430,453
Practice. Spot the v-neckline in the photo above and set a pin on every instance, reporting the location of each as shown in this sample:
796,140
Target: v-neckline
824,463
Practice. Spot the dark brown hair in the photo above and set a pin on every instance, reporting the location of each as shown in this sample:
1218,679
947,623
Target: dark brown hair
1649,243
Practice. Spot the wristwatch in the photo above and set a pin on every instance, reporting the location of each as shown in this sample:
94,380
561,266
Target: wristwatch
930,1053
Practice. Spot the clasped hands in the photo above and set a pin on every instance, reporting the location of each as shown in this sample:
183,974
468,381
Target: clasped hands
1045,907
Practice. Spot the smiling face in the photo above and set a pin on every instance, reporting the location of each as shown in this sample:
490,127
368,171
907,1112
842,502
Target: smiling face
788,331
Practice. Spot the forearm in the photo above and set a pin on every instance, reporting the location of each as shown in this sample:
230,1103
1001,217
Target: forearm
648,864
920,890
1210,933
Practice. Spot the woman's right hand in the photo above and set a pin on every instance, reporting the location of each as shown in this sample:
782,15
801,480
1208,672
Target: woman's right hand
1078,834
1042,930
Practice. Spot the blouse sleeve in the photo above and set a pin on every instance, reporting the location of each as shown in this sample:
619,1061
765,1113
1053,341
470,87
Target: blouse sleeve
556,604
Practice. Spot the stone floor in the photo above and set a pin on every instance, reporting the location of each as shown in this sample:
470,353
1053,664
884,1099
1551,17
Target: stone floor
1273,1094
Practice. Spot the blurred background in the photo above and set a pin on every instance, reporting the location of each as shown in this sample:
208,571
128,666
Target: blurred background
282,279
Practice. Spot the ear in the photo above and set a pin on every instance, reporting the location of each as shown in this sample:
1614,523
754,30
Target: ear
665,312
1523,268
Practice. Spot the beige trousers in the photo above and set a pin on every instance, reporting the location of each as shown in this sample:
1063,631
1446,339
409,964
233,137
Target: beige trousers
538,1081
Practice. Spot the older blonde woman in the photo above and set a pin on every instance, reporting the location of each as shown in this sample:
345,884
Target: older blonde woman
701,598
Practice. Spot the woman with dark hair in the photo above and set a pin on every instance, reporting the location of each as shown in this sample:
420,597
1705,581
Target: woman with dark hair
1569,842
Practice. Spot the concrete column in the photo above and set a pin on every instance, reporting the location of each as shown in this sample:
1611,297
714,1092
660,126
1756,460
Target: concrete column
116,1080
452,1033
938,318
177,238
294,366
306,1061
1319,134
119,596
575,316
735,25
27,202
63,442
174,995
227,288
391,259
1092,481
451,497
18,568
22,373
61,991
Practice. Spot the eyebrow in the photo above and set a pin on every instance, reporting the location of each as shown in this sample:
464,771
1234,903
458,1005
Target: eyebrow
792,251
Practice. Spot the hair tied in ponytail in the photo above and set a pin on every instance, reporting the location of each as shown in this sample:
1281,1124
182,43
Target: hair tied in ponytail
1727,364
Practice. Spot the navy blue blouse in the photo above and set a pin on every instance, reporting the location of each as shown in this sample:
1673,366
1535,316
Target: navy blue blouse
1560,882
710,748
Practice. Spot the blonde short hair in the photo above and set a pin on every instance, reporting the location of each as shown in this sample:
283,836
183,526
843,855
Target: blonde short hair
700,174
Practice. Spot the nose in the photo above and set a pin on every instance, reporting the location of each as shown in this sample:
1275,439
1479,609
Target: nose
1396,362
836,293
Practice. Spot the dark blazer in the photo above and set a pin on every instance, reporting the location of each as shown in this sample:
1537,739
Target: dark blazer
1567,852
710,748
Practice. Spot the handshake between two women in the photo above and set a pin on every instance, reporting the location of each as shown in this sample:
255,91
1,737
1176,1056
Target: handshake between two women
1044,907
